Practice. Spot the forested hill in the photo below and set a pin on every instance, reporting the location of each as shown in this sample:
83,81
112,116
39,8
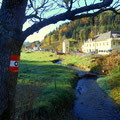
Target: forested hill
80,30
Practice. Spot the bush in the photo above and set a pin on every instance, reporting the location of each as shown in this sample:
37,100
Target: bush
96,69
106,65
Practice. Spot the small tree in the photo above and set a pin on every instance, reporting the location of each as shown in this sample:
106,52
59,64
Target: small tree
13,15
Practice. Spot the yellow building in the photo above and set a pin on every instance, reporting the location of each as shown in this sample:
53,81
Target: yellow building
102,43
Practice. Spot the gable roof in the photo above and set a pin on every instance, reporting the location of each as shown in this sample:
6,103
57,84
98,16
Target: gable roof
102,36
105,36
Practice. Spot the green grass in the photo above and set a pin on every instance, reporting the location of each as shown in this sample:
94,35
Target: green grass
111,85
83,62
36,86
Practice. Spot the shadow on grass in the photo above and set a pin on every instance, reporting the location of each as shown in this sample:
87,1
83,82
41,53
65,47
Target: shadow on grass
36,89
52,105
40,71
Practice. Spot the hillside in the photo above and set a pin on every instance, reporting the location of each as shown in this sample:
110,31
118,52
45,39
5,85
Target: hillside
79,30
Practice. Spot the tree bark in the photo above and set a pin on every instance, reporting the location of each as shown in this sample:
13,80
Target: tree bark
10,44
8,82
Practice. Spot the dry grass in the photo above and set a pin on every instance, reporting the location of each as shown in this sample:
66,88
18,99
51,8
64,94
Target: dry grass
114,83
26,95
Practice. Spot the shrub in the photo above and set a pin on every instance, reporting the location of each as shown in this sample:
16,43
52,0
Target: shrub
106,65
115,94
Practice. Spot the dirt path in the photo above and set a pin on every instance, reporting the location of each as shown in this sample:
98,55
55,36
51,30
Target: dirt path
92,103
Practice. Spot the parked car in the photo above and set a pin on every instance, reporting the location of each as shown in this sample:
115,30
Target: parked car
79,51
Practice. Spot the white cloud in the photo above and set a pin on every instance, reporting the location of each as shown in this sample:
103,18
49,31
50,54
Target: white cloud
40,35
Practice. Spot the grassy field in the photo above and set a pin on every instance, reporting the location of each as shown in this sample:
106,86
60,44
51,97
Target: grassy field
82,62
45,89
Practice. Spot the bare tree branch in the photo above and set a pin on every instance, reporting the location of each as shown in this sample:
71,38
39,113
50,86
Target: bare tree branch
85,2
96,13
31,3
71,3
70,15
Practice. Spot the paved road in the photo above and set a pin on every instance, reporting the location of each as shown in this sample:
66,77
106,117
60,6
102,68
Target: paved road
92,103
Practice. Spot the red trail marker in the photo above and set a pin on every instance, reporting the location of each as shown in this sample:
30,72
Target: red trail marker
14,63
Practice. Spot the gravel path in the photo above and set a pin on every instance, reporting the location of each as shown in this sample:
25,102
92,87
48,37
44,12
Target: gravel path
92,103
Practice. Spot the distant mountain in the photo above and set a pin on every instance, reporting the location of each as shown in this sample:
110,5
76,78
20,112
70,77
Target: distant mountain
79,30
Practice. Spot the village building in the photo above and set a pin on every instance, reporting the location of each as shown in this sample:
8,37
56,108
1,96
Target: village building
102,43
35,47
66,46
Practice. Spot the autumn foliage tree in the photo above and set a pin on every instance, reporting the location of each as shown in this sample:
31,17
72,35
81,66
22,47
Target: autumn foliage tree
13,15
91,34
48,41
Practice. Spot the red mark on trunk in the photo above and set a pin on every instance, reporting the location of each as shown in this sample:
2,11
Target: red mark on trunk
14,63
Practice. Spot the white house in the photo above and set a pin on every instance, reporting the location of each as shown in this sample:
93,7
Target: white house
66,46
102,43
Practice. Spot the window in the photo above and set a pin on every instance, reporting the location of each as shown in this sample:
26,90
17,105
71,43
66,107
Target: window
113,43
118,36
103,43
107,43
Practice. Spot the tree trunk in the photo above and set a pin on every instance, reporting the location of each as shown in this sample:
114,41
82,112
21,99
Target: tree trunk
11,21
8,81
